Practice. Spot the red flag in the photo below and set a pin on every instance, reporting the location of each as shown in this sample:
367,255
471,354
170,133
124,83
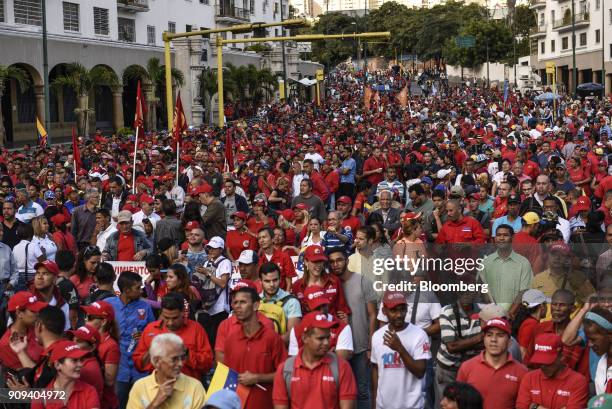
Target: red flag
140,108
229,152
180,122
76,154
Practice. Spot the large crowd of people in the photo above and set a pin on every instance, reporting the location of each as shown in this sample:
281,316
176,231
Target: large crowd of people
441,251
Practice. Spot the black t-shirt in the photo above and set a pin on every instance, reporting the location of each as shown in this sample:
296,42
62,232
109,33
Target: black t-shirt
10,234
69,292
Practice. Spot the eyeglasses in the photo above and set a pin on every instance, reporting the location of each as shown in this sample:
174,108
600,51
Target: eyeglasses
93,317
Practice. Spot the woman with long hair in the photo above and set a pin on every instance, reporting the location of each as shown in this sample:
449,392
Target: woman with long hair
459,395
315,233
43,246
531,311
579,175
168,249
409,246
177,281
280,198
87,262
315,274
101,316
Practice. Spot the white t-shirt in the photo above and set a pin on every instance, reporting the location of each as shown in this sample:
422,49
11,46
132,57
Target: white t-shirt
43,246
344,343
316,158
104,235
224,267
427,311
398,388
603,375
139,216
19,253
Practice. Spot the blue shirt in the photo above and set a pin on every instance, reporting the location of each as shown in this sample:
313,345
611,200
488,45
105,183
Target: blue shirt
70,206
130,318
351,165
517,224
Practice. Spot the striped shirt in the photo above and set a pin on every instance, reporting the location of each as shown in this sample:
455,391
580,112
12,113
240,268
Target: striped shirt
449,333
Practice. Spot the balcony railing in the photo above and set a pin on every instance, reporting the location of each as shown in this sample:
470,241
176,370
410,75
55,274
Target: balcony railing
581,19
538,30
231,12
133,5
536,4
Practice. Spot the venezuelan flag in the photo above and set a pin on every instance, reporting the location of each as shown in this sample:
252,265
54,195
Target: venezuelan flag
42,134
226,378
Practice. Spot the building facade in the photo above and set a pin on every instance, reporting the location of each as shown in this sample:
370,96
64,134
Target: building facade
551,41
115,34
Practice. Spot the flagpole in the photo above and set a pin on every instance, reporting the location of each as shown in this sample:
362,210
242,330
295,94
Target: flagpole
134,167
178,149
75,171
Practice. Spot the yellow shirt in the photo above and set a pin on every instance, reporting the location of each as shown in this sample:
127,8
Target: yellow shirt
576,282
188,393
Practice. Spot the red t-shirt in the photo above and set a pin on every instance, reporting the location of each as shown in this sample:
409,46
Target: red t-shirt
83,396
311,387
9,359
498,387
109,353
333,290
238,241
125,247
263,352
373,163
254,226
526,245
92,374
232,324
568,389
283,261
525,334
82,287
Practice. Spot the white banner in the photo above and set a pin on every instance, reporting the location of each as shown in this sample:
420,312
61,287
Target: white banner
137,267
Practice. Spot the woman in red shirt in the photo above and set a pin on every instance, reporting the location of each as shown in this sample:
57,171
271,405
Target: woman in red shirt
88,260
88,338
531,311
578,175
177,280
73,393
64,240
101,316
315,274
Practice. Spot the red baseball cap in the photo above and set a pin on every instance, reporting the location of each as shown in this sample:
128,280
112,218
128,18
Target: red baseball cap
315,253
132,198
69,189
66,349
288,214
49,265
315,297
560,247
205,188
500,323
344,199
302,206
244,283
583,204
86,333
58,220
317,320
393,298
192,225
240,215
546,349
100,309
411,216
25,300
144,198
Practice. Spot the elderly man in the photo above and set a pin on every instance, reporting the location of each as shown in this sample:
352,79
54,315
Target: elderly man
126,244
390,215
167,386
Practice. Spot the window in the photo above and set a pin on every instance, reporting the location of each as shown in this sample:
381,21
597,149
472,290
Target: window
100,21
610,50
127,29
564,43
252,6
1,11
71,16
30,12
610,15
204,56
541,18
597,4
204,2
151,35
542,47
597,36
188,28
552,46
583,7
583,39
205,35
171,27
552,16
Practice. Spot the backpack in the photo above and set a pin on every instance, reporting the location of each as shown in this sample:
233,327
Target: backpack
289,365
274,311
209,291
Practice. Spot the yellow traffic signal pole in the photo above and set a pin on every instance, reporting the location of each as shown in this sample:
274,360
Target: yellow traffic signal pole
308,37
241,28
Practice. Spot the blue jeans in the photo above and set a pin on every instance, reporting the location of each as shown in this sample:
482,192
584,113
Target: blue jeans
123,393
361,370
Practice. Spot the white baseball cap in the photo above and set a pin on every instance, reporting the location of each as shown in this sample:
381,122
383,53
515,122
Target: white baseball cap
248,257
216,243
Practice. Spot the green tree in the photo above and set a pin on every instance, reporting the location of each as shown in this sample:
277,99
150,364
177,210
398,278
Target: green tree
332,52
83,81
207,80
397,19
23,81
491,34
155,74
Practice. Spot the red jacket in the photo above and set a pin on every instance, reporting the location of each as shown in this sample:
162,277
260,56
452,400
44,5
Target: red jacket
319,188
200,356
603,187
332,180
466,230
333,290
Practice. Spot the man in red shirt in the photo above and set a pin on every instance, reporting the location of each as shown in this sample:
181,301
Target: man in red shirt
344,206
310,375
23,308
268,253
494,373
374,168
255,351
459,228
319,188
199,359
523,242
241,238
553,385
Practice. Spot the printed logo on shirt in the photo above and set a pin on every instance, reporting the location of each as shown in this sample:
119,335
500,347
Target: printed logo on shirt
331,290
535,391
295,379
328,379
425,347
563,393
392,360
246,243
466,229
141,313
511,378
